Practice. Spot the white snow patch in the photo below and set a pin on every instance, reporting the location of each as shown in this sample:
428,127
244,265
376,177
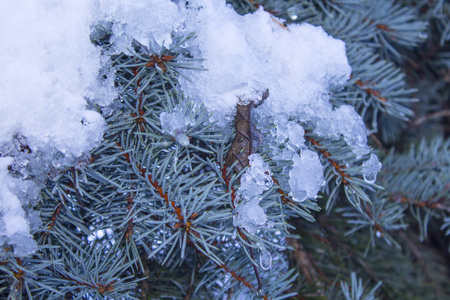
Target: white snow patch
49,69
14,227
245,55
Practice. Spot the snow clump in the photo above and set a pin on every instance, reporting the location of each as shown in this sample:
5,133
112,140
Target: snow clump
14,226
299,64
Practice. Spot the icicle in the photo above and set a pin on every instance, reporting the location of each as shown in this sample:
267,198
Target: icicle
259,293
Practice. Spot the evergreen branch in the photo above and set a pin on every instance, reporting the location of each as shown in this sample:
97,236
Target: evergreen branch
396,25
377,86
235,275
159,190
54,216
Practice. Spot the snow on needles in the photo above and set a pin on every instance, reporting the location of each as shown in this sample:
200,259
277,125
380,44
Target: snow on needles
299,65
50,70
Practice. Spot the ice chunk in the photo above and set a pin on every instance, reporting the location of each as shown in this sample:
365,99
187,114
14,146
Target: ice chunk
289,130
350,124
296,135
254,182
370,168
256,179
250,216
306,176
175,124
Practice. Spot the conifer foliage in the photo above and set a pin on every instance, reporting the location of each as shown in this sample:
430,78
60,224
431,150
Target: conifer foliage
173,204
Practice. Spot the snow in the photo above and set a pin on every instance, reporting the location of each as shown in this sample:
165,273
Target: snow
245,55
148,22
50,70
306,176
14,227
370,168
175,124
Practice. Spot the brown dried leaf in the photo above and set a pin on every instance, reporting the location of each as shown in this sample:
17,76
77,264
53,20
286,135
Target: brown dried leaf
247,139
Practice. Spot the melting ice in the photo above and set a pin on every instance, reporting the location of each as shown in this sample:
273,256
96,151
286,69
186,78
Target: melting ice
370,168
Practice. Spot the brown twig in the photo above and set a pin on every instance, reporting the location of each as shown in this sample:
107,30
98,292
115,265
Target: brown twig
431,203
435,115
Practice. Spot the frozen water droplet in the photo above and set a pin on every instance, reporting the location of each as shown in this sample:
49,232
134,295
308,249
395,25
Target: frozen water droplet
293,12
269,224
423,35
259,293
378,234
370,168
14,292
265,259
370,178
300,195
